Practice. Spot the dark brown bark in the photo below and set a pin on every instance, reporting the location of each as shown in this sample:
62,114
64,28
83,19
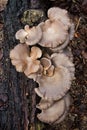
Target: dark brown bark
17,96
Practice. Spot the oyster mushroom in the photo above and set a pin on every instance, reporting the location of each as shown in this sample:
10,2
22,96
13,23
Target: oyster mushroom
55,112
3,4
29,35
53,34
26,60
44,104
67,104
18,57
60,59
59,14
46,63
54,87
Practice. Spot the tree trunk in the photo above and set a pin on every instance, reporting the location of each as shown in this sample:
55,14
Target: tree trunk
17,96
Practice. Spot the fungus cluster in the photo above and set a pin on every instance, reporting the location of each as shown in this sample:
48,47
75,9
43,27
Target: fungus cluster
43,56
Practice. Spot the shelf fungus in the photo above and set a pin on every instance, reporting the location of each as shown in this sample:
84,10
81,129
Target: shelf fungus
43,56
29,35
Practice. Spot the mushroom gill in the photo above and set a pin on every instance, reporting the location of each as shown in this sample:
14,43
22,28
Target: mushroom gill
54,87
53,33
67,104
59,14
54,112
44,104
61,59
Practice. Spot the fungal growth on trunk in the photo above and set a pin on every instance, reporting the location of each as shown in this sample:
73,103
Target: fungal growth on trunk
43,56
3,4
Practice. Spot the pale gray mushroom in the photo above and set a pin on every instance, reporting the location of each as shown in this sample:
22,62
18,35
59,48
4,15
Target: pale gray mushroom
67,104
25,60
54,112
19,56
3,4
54,33
34,35
54,87
44,104
29,35
69,37
60,59
59,14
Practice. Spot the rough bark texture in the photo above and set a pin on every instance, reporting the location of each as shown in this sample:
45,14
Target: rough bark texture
17,96
18,109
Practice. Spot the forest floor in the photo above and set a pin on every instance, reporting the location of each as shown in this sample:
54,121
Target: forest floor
77,116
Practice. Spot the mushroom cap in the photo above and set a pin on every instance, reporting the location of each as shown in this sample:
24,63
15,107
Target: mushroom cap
50,71
34,35
67,104
20,35
3,4
59,14
54,112
28,35
35,52
46,63
32,66
60,59
18,57
54,87
53,34
44,104
25,60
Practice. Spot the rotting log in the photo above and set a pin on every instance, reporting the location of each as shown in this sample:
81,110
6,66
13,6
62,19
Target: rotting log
17,96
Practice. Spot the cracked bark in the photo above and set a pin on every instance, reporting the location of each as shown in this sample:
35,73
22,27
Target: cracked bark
17,96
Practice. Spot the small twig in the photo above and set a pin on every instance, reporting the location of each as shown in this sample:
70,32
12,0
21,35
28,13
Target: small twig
78,24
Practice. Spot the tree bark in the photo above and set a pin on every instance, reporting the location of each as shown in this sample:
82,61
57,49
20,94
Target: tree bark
17,96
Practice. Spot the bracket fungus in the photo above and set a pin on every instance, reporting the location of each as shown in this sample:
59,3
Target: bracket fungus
50,64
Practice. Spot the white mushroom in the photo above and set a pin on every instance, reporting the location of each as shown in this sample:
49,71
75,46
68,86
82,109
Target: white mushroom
20,35
44,104
19,56
54,87
60,59
67,104
25,60
54,33
34,35
29,35
59,14
3,4
54,112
